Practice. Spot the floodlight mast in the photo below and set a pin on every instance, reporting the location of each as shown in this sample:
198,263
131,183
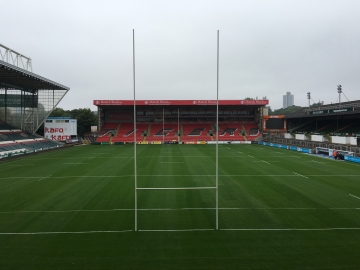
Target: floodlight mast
339,90
163,125
309,97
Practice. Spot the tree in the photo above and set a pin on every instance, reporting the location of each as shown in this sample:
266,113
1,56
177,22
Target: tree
85,119
59,112
288,110
316,104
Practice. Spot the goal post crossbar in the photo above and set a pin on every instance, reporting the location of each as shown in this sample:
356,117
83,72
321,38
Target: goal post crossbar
179,188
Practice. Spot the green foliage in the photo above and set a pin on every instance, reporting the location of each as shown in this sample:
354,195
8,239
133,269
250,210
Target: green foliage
286,111
316,104
85,118
59,112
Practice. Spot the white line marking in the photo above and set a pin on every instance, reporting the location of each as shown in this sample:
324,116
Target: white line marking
172,162
240,152
295,156
185,230
45,177
251,156
140,157
301,175
177,209
75,163
314,161
354,196
85,232
279,153
292,229
180,175
178,188
263,161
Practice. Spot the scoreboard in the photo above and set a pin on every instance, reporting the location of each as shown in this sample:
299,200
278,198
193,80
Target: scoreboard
60,128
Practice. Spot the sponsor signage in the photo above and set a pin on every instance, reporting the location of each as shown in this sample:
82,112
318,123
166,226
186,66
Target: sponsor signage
353,159
179,102
341,110
283,146
319,112
333,111
60,130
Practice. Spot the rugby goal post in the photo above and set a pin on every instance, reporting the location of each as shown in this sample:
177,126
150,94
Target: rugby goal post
216,187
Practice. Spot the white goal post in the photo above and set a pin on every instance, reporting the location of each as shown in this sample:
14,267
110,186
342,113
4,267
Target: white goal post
216,187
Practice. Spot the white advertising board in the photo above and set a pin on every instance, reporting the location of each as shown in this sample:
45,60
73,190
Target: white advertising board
318,138
338,139
300,137
60,128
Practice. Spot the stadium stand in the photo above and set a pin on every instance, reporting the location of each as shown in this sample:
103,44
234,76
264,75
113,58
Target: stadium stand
125,132
230,132
15,141
159,130
107,131
174,121
252,130
196,132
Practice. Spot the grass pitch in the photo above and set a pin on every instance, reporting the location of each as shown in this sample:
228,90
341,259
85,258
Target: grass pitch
278,209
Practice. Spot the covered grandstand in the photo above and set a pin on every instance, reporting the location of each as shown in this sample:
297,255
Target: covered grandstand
178,121
331,126
332,119
26,99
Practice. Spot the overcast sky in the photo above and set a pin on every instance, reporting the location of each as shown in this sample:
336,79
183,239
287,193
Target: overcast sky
267,48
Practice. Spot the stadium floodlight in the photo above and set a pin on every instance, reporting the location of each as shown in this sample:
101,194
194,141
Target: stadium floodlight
309,97
339,90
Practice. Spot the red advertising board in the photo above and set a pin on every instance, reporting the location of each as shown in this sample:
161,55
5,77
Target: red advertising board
179,102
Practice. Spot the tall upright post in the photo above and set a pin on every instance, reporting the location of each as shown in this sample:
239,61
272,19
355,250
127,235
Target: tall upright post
135,171
178,125
217,135
339,90
163,125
